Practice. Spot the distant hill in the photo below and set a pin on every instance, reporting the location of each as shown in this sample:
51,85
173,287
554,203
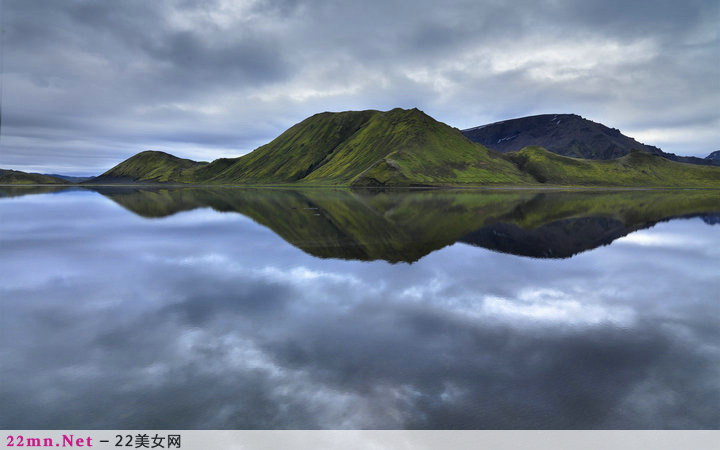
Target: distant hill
637,168
402,148
714,156
567,135
69,178
18,177
150,167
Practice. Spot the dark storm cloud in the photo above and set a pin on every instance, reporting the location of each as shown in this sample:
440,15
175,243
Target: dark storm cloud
89,83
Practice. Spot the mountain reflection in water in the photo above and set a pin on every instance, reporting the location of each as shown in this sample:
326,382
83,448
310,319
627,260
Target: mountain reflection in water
404,226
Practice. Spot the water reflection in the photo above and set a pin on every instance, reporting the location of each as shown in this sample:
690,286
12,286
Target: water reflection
405,226
205,319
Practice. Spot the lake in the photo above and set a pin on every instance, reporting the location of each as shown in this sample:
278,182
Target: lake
208,308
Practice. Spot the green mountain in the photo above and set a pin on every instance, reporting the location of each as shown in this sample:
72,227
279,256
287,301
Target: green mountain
637,168
401,148
366,148
151,167
18,177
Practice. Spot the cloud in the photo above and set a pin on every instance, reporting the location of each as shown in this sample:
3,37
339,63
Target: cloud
87,84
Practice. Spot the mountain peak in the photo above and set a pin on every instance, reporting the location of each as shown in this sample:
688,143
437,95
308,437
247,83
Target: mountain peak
406,147
564,134
148,166
714,156
568,135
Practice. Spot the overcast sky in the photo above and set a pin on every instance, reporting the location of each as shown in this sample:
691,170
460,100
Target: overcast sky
87,84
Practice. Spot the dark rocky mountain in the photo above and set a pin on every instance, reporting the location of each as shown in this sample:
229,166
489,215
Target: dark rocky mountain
567,135
714,156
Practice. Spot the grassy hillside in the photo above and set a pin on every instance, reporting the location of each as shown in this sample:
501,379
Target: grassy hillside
397,147
292,155
402,148
151,166
406,147
634,169
18,177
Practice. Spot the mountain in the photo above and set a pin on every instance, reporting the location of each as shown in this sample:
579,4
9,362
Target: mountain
69,178
150,167
714,156
366,148
634,169
400,148
567,135
18,177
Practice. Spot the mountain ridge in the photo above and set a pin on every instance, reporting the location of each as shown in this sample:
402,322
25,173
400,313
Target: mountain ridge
567,135
408,148
9,176
352,148
149,166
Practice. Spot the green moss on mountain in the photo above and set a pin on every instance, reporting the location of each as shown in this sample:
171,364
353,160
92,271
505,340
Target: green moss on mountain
408,147
151,166
294,154
634,169
18,177
393,148
402,148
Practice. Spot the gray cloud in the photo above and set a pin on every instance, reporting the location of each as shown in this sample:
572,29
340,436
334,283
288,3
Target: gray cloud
87,84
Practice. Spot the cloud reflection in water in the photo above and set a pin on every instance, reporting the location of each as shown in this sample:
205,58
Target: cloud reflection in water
209,320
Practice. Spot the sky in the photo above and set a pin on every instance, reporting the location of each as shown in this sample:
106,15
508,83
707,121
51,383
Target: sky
86,84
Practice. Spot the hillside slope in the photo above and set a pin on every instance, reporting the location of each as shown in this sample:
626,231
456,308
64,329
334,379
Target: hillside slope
567,135
19,177
397,147
292,155
150,166
401,148
634,169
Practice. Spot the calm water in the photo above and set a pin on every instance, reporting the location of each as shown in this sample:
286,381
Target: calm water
199,308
